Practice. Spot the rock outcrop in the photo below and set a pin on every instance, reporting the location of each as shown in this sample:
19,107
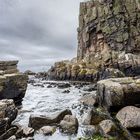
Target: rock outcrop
69,124
129,117
13,84
108,34
108,42
38,121
8,113
119,92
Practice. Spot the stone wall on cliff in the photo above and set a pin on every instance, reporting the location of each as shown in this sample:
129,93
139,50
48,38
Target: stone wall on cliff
109,34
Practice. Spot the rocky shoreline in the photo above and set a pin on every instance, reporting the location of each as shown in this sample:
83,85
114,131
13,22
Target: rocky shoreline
108,60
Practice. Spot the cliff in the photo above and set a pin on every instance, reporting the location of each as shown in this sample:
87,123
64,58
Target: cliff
108,42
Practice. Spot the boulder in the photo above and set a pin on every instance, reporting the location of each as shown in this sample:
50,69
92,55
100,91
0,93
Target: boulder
23,131
98,115
108,127
38,121
118,92
89,100
47,130
89,130
13,86
28,132
95,116
86,119
69,124
129,117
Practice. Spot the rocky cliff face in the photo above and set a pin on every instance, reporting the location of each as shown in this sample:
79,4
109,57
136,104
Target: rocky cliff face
109,34
13,84
108,42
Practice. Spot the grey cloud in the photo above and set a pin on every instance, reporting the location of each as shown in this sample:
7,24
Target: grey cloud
38,32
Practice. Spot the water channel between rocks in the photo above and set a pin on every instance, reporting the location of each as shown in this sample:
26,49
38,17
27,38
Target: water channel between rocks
43,100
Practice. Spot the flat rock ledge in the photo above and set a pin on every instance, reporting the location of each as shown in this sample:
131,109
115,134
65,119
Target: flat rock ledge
13,84
119,92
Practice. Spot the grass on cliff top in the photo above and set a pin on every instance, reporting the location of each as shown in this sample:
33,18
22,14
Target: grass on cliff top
97,137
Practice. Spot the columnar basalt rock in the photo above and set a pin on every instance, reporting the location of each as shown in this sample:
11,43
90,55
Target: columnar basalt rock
13,84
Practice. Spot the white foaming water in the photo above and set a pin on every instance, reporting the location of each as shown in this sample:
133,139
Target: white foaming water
43,101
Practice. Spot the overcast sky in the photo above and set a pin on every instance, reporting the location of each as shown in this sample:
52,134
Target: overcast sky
38,32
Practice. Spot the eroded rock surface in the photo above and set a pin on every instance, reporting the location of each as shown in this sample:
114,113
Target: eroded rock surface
38,121
129,117
13,84
69,124
8,113
119,92
108,42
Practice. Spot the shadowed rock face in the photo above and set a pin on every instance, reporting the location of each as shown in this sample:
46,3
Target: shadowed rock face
8,113
108,42
12,83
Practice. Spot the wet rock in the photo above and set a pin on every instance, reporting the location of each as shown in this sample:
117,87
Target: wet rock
129,117
108,127
90,88
86,119
31,81
47,130
19,133
69,124
89,100
10,132
95,116
38,121
118,92
98,115
12,137
66,91
63,85
28,132
39,85
49,86
89,130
